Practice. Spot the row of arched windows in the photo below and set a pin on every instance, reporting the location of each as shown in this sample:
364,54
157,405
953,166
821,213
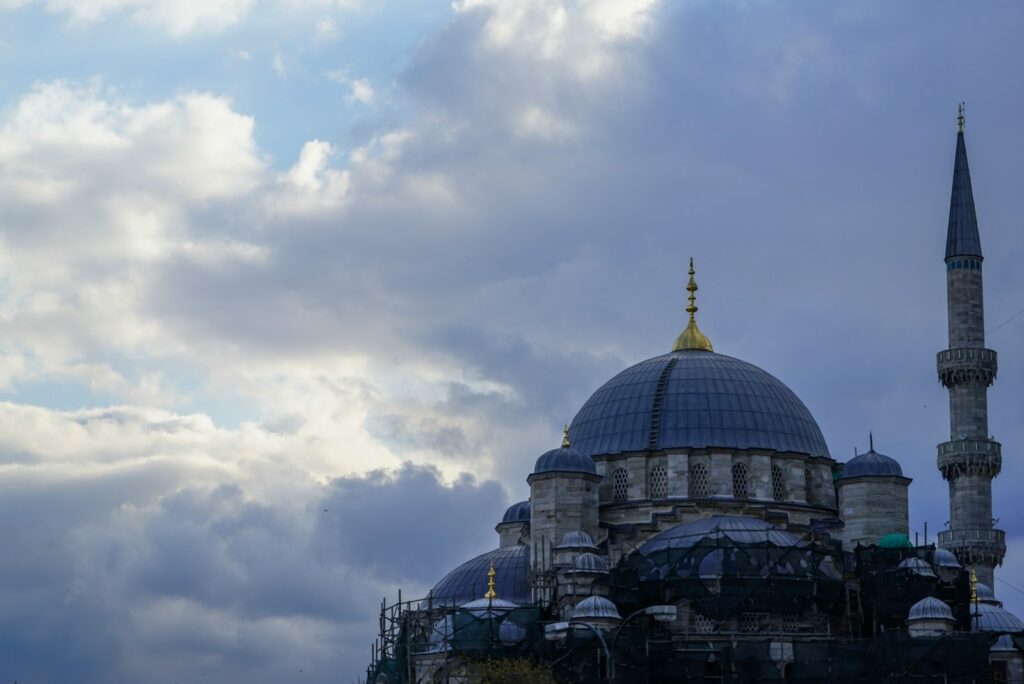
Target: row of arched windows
700,483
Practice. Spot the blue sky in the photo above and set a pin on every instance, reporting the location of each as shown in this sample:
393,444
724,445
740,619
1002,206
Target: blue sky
265,257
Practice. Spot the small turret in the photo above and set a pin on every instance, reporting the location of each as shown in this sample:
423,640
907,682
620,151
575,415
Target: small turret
563,499
873,498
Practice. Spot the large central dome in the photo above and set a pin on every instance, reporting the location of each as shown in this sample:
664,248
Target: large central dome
691,399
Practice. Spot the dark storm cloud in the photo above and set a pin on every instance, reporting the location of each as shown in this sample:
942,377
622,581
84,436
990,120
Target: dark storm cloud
211,581
407,526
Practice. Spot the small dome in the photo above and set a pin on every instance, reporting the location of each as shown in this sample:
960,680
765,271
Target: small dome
917,566
930,608
510,634
590,562
985,593
991,617
872,464
596,608
577,539
517,513
565,460
944,558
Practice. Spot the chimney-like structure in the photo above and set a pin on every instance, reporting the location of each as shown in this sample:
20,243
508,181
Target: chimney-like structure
970,460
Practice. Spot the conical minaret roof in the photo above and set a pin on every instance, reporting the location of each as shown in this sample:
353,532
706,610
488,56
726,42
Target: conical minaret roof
962,237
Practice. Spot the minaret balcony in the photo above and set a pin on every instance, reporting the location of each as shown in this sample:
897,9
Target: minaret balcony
966,365
975,546
970,457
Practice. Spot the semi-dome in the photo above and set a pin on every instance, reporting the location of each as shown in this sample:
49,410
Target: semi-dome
930,608
596,608
725,564
992,617
984,592
737,529
694,398
517,513
872,464
469,581
489,607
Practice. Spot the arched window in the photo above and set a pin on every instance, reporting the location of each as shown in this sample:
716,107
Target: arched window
620,484
808,486
739,480
778,483
658,482
700,481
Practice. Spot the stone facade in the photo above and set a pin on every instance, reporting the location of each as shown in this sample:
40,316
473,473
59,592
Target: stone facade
510,534
560,502
872,507
971,459
702,482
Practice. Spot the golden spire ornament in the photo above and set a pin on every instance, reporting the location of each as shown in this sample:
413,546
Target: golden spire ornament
565,436
692,337
491,594
974,586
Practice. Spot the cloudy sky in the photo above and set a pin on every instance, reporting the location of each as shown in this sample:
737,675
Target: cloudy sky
293,292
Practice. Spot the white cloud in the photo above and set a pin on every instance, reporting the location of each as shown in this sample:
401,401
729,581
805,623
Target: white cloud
360,89
534,122
362,92
177,17
580,36
180,18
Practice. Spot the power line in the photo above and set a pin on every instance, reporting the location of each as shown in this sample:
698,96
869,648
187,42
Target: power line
1019,591
989,332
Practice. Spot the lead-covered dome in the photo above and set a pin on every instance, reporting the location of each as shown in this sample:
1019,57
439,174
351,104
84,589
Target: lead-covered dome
564,459
517,513
469,581
930,608
694,398
872,464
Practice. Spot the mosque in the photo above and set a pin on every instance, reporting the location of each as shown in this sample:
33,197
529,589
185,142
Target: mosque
693,526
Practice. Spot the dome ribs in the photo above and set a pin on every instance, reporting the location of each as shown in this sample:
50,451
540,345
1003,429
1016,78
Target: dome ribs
654,434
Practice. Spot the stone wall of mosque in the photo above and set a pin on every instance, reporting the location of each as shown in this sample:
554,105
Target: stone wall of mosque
644,493
872,507
560,503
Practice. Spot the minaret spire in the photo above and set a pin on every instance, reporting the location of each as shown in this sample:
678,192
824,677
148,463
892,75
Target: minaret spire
962,237
970,460
692,337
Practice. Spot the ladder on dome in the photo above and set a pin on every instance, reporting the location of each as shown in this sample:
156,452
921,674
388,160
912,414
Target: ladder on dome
659,402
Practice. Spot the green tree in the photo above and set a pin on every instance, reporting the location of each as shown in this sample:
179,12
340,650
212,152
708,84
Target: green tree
510,671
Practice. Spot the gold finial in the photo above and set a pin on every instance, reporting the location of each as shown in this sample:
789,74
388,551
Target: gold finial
565,436
974,586
491,594
692,337
960,117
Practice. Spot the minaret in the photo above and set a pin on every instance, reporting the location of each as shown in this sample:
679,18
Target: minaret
970,460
